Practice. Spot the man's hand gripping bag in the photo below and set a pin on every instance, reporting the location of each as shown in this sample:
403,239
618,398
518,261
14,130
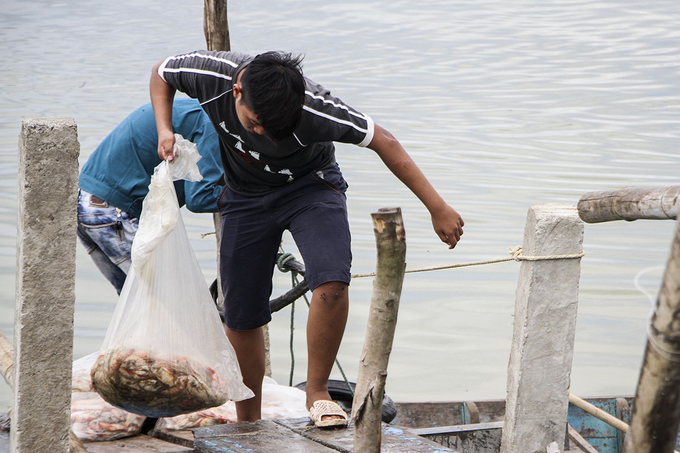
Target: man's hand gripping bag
165,352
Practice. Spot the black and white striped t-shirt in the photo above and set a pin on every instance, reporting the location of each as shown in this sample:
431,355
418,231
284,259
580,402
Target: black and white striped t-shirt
254,164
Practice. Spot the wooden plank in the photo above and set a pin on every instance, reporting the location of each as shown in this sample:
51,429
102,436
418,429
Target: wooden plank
263,436
175,436
446,413
477,438
393,438
136,444
579,441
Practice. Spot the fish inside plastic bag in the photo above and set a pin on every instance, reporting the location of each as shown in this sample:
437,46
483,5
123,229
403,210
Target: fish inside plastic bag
165,352
92,418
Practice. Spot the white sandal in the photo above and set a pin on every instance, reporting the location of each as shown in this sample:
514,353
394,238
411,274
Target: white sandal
323,408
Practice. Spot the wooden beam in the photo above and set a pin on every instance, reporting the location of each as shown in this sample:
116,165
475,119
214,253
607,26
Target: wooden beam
629,203
579,441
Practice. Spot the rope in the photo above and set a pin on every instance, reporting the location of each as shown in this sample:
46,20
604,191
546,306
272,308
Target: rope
291,345
283,259
657,340
515,255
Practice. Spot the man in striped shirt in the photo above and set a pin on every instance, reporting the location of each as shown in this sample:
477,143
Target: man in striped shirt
276,131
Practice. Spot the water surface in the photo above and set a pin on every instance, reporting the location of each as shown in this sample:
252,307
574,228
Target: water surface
502,104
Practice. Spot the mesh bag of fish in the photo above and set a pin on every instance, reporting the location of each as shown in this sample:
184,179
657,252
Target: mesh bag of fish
165,352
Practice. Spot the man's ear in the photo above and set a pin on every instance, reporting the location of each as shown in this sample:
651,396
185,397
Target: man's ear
237,90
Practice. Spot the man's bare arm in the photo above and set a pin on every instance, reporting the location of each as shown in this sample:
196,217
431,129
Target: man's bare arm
162,96
447,223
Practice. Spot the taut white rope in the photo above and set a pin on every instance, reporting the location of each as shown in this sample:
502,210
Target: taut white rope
515,255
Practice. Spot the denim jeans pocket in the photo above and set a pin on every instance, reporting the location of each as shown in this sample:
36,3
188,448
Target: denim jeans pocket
110,229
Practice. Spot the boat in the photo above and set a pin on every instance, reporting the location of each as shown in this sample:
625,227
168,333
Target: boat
461,426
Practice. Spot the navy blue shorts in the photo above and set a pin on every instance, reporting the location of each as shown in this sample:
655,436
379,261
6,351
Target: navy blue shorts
314,209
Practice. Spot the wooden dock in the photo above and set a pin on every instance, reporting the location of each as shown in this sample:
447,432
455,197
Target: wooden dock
264,436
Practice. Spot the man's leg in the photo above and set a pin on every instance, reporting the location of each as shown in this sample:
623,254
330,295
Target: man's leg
247,260
325,328
249,347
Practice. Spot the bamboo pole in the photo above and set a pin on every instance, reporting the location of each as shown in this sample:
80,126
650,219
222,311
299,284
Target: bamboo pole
599,413
629,203
7,371
367,405
656,411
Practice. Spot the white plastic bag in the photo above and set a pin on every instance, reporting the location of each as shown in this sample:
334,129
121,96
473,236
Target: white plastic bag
278,402
165,352
93,419
81,381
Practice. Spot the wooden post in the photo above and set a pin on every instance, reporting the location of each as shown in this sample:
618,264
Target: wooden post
215,25
542,348
656,409
216,31
367,405
45,285
629,203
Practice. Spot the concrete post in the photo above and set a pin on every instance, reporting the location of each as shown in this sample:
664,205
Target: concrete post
539,370
45,285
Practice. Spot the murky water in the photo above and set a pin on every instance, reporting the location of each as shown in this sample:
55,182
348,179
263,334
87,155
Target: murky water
503,105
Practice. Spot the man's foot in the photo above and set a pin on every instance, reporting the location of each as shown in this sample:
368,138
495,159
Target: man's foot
327,414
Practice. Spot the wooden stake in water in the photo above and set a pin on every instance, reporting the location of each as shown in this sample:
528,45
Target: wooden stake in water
367,405
215,24
656,410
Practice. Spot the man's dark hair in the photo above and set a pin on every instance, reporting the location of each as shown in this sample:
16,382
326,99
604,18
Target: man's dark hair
274,89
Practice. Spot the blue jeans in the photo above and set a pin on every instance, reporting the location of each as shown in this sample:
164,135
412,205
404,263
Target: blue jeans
107,234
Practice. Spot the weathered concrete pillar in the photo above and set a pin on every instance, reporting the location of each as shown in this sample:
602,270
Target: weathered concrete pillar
539,370
45,285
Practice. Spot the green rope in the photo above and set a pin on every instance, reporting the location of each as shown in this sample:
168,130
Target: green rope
283,259
292,328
